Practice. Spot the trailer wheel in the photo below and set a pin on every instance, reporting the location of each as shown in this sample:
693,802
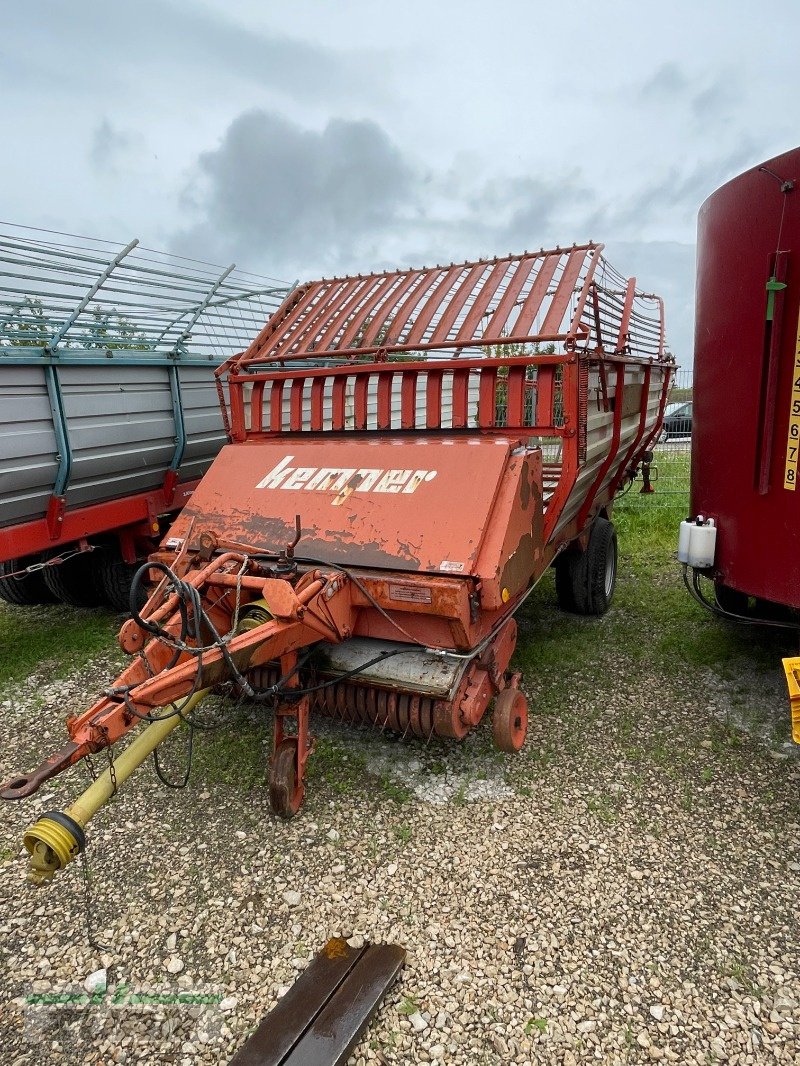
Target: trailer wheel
76,581
116,577
510,720
601,566
585,581
27,591
566,566
285,798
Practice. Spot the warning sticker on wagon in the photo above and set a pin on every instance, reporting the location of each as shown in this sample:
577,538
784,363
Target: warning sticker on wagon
793,438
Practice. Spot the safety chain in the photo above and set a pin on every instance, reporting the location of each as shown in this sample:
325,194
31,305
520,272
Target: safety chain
90,766
112,770
88,908
56,560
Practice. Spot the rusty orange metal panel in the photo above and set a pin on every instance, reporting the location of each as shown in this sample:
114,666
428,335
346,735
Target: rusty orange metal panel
360,502
512,549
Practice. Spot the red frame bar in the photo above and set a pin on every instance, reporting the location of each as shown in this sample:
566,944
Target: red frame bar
30,538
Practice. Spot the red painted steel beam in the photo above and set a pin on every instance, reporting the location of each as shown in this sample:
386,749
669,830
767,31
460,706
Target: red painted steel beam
30,538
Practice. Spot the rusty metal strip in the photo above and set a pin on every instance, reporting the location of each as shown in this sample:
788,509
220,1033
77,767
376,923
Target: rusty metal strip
456,303
382,286
534,299
382,321
487,398
500,316
433,399
545,383
460,399
408,400
339,1026
289,1019
276,405
384,390
314,301
317,403
405,310
625,321
564,291
329,293
483,297
296,405
576,325
338,400
432,305
515,396
348,302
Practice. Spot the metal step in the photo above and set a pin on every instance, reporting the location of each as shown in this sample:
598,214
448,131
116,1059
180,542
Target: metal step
321,1018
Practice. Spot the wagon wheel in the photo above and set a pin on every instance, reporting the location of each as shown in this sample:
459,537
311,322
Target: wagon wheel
285,794
510,720
27,590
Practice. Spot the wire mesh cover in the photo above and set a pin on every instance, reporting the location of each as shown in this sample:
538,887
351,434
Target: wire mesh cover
561,295
84,294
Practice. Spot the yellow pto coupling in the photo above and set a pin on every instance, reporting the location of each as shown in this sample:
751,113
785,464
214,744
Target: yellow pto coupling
791,668
58,837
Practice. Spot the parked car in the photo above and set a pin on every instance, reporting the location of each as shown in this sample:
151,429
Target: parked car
677,420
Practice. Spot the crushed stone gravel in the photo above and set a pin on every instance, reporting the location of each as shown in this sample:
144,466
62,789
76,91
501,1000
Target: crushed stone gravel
623,891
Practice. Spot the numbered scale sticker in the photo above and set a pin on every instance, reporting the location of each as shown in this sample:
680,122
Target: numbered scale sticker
793,441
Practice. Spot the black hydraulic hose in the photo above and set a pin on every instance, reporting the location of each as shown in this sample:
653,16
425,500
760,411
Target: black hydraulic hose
697,595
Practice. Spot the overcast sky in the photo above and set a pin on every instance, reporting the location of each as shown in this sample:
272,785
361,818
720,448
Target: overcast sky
309,138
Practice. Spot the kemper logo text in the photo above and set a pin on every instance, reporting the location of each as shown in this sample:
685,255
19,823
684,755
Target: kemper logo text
343,480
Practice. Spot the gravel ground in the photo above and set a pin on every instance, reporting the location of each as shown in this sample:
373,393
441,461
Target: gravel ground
624,891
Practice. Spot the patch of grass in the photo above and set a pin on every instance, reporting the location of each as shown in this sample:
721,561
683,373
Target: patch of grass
62,637
394,791
603,809
535,1024
341,770
234,754
408,1006
403,833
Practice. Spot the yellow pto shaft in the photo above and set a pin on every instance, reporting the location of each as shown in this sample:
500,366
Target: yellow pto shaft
58,837
791,668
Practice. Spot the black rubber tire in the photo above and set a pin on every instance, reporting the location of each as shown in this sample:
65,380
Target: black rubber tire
28,591
77,581
565,566
116,577
601,565
585,581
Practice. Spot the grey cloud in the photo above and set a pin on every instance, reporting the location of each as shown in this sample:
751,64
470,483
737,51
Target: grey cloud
277,192
668,81
109,145
179,38
717,101
674,196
